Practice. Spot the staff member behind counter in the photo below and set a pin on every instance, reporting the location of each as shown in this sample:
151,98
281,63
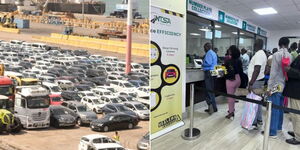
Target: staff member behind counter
209,63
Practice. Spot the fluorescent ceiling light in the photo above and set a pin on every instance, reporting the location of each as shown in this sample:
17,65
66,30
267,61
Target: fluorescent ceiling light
265,11
217,26
195,34
205,30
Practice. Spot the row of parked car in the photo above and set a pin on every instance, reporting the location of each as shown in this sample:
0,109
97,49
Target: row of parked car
81,84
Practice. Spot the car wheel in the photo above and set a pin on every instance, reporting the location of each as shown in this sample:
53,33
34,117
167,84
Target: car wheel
130,126
105,129
56,124
79,122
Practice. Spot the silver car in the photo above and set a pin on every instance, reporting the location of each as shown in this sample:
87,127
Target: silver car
143,144
140,109
85,115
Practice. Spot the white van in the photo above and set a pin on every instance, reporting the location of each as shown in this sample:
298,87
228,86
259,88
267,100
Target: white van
52,87
39,45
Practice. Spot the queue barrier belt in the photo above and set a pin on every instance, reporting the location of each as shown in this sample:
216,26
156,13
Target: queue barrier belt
263,103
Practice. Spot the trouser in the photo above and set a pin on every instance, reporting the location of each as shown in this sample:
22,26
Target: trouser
295,104
209,84
258,85
277,114
231,86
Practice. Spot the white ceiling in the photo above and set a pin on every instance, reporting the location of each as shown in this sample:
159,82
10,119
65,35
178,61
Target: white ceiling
288,17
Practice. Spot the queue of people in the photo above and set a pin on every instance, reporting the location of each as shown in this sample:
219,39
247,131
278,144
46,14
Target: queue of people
279,72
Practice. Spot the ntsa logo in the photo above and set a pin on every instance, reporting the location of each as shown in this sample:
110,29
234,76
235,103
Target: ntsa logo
161,19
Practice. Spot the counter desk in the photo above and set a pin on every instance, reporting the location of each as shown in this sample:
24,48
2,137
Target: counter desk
196,76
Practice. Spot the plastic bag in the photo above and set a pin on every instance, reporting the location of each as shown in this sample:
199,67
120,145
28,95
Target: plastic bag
249,112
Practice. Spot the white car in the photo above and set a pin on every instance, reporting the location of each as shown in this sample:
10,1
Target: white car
111,99
140,109
53,88
43,63
121,85
65,84
98,142
107,88
93,103
114,77
82,94
127,93
111,59
41,68
102,92
143,91
96,57
136,67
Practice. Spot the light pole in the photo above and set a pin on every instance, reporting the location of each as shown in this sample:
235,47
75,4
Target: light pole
82,10
129,37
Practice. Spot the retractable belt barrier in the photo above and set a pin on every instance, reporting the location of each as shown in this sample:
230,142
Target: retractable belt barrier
251,100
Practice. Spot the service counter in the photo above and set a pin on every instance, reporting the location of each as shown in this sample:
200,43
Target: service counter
196,76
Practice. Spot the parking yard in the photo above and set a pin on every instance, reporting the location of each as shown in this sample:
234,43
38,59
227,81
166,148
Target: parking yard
68,138
75,85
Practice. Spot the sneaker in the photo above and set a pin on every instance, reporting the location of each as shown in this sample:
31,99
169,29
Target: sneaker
291,133
271,136
293,141
260,122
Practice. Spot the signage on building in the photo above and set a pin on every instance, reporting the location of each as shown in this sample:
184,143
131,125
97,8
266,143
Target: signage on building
261,32
249,27
202,9
229,19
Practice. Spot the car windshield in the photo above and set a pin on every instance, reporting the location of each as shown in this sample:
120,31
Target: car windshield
67,64
116,100
44,68
15,60
55,89
60,111
140,107
38,102
7,91
38,58
82,109
122,108
107,93
128,85
137,67
89,94
132,94
56,99
96,101
129,98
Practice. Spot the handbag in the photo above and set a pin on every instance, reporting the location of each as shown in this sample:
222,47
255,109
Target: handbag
285,62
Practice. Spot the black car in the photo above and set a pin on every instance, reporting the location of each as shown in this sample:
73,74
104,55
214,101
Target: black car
115,107
82,87
62,117
96,73
57,72
114,121
81,53
97,80
70,95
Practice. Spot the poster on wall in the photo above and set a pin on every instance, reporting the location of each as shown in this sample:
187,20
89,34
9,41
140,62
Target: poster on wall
167,61
229,19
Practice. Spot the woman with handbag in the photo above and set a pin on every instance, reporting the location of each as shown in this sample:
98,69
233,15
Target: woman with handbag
233,79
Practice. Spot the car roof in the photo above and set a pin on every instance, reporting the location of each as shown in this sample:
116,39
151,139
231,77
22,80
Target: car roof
92,136
133,102
76,103
107,145
86,92
91,97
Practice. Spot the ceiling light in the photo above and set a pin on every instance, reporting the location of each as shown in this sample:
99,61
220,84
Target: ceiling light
195,34
265,11
217,26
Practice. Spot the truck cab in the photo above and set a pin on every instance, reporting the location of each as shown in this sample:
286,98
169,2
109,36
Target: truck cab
32,106
7,87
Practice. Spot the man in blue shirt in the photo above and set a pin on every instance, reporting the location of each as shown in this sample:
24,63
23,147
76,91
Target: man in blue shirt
209,63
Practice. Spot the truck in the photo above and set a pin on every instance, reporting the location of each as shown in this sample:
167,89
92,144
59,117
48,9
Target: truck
7,87
32,106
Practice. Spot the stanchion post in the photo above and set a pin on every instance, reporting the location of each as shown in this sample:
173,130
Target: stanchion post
191,133
267,125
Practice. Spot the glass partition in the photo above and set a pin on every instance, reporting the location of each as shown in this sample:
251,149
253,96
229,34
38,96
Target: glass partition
225,36
199,32
246,41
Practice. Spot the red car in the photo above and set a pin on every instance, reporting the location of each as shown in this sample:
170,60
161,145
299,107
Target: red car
171,73
55,99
